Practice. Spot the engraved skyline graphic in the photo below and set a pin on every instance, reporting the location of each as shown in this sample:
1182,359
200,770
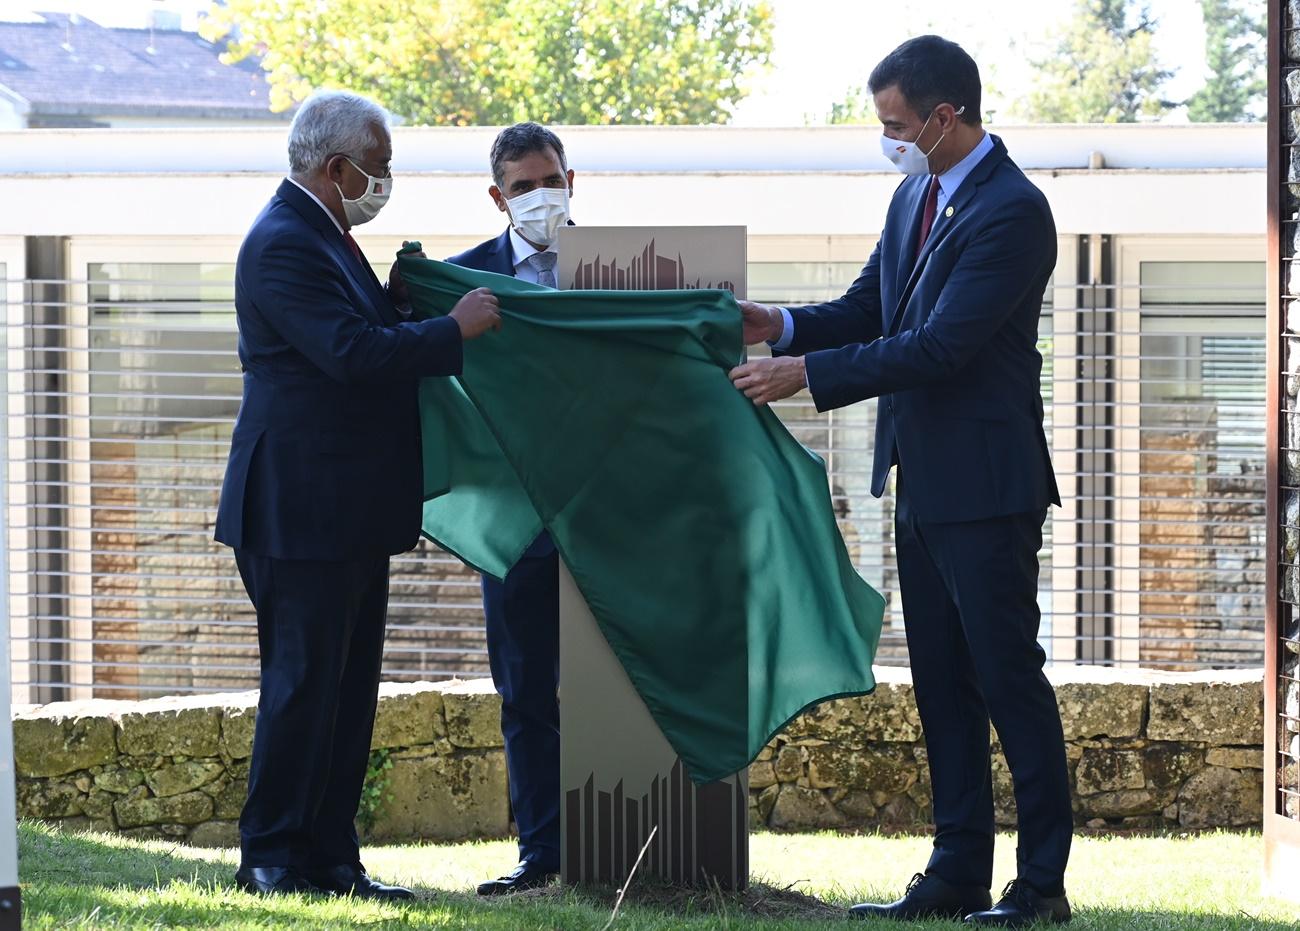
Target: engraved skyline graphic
647,271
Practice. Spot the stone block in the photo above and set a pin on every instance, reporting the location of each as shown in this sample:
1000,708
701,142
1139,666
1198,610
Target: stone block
789,764
188,808
238,721
445,798
761,775
98,805
229,802
1097,702
214,834
857,807
800,808
1214,708
188,726
409,715
766,800
118,780
47,799
1220,797
182,777
1124,803
1168,766
1236,757
886,769
1109,771
63,737
888,714
473,710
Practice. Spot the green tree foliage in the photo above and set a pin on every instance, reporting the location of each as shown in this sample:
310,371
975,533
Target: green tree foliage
465,62
855,108
1103,68
1235,57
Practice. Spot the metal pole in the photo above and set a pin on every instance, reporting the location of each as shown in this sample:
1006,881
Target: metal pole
10,900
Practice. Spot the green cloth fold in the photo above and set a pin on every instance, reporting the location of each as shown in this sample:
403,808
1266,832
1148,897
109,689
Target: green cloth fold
700,532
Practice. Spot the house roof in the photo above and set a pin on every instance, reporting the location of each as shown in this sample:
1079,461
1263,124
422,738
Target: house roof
69,66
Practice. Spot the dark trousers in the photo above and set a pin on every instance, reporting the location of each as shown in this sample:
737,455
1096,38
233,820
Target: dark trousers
523,641
320,627
971,612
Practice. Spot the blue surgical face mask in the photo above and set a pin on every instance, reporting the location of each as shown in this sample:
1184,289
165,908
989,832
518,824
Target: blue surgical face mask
907,156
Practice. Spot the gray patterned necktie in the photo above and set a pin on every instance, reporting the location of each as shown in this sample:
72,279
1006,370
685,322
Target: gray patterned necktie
544,264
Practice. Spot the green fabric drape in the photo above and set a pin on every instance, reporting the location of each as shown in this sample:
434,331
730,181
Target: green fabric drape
698,529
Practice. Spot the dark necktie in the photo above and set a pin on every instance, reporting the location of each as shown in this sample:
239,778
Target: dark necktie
352,244
927,218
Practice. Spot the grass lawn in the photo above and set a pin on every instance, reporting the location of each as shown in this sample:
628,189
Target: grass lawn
1208,881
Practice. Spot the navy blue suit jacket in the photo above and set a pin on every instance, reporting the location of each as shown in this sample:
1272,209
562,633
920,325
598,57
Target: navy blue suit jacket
325,460
497,255
947,341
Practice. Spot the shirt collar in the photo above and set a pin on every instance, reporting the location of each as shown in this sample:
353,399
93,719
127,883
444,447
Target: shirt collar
951,179
328,212
521,248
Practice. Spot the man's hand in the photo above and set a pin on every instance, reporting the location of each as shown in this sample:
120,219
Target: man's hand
766,380
396,286
476,313
762,322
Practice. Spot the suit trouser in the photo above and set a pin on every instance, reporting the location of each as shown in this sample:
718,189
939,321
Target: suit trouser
320,629
523,641
971,611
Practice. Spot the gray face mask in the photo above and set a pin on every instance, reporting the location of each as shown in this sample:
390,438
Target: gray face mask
907,156
366,207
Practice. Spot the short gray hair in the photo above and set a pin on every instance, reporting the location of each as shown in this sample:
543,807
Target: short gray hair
329,123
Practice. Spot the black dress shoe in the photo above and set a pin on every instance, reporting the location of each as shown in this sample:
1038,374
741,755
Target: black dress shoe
274,880
352,879
1022,905
527,875
928,896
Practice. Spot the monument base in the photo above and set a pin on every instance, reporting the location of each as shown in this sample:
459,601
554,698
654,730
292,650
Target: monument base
621,782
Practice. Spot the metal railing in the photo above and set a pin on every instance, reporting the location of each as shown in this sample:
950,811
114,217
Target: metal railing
121,395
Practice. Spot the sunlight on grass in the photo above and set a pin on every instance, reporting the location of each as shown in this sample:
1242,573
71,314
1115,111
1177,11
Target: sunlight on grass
1206,882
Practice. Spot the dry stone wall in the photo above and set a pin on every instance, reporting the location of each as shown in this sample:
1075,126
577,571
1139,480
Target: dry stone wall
1145,750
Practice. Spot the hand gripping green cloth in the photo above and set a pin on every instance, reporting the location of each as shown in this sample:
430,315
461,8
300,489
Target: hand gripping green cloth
698,529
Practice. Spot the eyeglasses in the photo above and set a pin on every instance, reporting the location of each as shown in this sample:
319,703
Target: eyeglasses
358,162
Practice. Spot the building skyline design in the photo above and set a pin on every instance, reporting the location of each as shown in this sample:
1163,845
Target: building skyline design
647,271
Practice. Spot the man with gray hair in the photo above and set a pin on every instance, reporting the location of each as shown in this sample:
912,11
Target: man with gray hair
323,485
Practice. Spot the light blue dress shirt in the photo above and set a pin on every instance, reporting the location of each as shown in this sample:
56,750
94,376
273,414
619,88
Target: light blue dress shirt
949,182
521,250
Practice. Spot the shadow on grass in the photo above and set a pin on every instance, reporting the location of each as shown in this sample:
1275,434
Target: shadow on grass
80,881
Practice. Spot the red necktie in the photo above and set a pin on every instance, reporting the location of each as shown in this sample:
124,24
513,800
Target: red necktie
927,218
356,250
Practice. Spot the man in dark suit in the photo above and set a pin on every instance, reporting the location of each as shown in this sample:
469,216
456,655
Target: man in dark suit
323,484
941,327
531,185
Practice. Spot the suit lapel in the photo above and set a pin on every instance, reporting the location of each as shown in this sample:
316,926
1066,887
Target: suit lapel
944,219
914,209
501,257
362,278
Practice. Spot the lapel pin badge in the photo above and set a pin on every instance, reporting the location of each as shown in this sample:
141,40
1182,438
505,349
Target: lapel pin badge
948,212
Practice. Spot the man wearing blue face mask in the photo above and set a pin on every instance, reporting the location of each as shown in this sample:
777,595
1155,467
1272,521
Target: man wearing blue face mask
941,327
531,184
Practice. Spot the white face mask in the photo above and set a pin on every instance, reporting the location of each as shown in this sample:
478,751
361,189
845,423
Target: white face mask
538,214
906,156
367,206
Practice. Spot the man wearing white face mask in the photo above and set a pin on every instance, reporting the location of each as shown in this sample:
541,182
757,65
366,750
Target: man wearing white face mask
324,483
941,326
531,184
